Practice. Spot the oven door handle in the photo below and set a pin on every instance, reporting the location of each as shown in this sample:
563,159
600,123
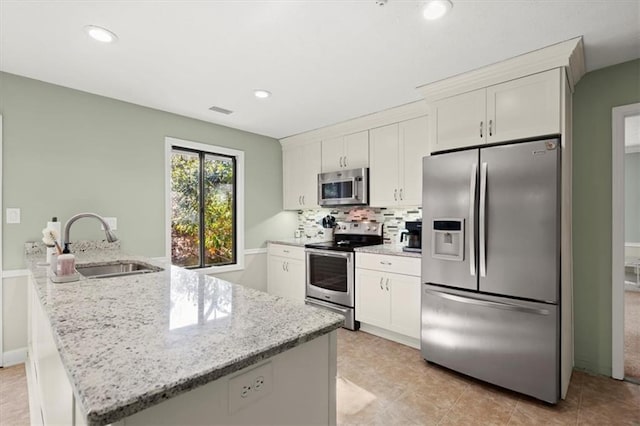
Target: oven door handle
332,253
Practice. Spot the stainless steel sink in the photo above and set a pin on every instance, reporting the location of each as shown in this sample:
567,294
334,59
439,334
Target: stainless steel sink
116,269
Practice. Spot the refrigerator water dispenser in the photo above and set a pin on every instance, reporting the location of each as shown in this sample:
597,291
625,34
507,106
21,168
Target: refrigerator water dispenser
447,239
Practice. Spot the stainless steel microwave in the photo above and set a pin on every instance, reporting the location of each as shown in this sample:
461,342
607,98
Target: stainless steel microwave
344,188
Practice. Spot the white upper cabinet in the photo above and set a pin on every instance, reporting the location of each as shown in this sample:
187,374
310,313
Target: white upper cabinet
458,121
414,138
521,108
346,152
383,166
525,107
301,165
395,172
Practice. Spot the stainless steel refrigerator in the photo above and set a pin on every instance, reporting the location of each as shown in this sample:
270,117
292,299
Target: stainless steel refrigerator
491,265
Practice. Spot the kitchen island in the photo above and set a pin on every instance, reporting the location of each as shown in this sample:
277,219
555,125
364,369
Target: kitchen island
174,347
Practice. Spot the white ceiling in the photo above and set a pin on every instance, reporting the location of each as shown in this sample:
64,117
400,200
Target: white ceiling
325,61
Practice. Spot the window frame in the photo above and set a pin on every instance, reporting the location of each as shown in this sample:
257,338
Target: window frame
238,155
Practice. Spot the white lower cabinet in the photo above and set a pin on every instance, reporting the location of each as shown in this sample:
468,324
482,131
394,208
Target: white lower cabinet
49,386
388,297
286,271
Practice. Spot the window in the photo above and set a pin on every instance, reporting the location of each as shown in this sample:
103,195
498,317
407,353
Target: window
204,205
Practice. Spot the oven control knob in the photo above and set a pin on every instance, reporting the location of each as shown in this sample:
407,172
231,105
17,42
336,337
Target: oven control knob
373,229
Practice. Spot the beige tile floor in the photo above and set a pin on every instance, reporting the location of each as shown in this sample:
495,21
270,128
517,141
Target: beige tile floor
385,383
408,391
14,401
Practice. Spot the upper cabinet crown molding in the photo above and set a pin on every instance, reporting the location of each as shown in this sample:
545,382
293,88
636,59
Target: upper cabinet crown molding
367,122
568,54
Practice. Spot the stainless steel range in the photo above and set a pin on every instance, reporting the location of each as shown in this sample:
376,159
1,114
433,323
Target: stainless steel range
331,268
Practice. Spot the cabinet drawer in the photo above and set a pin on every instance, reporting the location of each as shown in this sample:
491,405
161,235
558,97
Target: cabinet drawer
394,264
284,250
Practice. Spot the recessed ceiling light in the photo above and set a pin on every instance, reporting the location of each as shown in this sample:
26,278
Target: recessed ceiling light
262,94
100,34
436,9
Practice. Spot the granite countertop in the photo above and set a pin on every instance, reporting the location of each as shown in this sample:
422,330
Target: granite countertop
390,249
300,242
128,343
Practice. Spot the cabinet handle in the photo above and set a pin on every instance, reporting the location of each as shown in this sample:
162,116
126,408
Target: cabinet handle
341,161
283,266
382,262
287,266
387,284
395,194
303,200
400,194
381,288
286,251
345,161
300,199
490,127
481,128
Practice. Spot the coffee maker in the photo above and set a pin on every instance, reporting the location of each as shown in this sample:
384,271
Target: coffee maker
413,236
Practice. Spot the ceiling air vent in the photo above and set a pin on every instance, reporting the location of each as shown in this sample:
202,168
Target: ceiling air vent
221,110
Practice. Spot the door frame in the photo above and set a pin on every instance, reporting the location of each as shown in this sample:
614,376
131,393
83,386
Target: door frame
1,244
617,236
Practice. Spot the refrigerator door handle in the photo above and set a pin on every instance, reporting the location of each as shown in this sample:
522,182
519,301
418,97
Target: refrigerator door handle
488,303
472,219
483,218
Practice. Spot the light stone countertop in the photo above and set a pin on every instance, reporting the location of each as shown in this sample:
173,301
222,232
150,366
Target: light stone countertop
300,242
128,343
388,249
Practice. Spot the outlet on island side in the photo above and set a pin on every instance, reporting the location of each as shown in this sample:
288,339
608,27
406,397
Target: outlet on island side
248,387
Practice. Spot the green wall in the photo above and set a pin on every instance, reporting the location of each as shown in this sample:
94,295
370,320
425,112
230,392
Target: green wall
67,151
595,95
632,197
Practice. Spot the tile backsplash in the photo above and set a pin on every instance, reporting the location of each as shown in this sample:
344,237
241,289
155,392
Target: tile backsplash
310,221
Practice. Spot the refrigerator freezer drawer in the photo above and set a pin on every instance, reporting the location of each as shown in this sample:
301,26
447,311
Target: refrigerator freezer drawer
509,343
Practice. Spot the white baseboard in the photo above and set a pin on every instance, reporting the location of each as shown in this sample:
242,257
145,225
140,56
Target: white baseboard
16,356
390,335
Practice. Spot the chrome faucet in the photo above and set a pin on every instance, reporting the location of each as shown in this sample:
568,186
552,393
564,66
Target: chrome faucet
111,237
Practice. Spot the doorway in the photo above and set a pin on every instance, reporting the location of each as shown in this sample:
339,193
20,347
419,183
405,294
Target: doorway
626,242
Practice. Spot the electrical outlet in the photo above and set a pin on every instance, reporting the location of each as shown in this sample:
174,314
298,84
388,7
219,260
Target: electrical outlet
258,384
248,387
112,221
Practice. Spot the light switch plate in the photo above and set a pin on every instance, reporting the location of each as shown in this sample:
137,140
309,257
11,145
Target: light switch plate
13,215
112,221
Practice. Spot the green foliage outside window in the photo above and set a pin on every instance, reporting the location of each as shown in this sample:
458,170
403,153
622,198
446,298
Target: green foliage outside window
218,209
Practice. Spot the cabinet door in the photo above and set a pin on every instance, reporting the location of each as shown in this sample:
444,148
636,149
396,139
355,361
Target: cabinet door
525,107
291,178
56,395
276,276
459,121
372,298
356,150
296,277
414,144
405,304
383,166
333,154
309,174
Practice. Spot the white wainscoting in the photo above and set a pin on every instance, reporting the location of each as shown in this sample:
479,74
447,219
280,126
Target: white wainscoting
14,313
